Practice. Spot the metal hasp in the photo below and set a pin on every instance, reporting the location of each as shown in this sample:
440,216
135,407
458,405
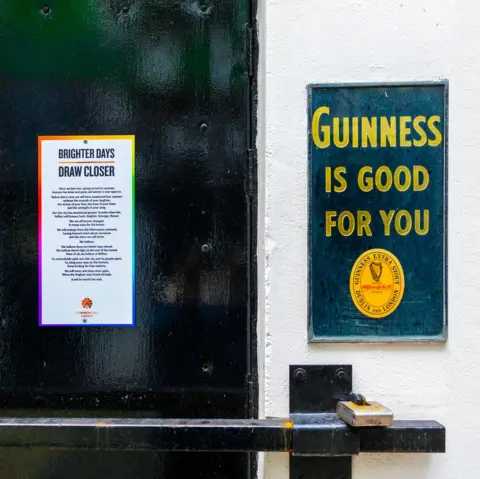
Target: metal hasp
318,432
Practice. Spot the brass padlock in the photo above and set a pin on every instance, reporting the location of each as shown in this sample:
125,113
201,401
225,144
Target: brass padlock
364,414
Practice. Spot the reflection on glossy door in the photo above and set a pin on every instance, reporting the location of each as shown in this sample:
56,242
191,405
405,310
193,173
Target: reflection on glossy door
173,73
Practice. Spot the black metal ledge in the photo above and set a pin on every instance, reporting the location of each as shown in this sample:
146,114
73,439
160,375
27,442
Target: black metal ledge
313,429
236,435
316,434
405,436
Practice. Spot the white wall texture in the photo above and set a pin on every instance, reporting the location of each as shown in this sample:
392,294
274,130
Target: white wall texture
306,41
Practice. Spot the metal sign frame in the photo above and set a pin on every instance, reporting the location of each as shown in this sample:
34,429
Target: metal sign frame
312,337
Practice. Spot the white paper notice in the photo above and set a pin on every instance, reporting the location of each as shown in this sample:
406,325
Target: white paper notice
86,230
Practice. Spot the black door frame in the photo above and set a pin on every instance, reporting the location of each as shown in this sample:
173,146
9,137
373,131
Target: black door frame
252,215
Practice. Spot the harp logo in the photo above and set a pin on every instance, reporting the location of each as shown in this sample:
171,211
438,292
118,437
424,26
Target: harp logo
377,283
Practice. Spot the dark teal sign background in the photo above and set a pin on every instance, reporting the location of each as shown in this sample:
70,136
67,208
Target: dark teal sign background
421,315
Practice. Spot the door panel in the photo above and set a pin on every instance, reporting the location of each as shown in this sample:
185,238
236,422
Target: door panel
45,464
173,73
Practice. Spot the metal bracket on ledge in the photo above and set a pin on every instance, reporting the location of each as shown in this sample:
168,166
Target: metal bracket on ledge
318,432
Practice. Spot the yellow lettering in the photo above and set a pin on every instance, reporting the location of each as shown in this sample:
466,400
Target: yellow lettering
342,182
388,131
330,222
417,185
364,218
323,142
346,230
369,131
407,181
403,230
436,132
388,178
355,132
328,179
387,219
426,222
336,132
404,131
421,132
365,184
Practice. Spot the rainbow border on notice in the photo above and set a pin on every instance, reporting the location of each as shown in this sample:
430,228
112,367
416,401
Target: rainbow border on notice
81,138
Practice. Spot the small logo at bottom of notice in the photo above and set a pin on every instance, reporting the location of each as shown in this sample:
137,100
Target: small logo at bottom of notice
377,283
87,303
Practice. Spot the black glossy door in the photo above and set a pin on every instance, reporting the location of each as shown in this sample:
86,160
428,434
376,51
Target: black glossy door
173,73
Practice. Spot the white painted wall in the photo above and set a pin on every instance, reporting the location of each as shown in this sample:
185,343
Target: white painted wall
304,41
